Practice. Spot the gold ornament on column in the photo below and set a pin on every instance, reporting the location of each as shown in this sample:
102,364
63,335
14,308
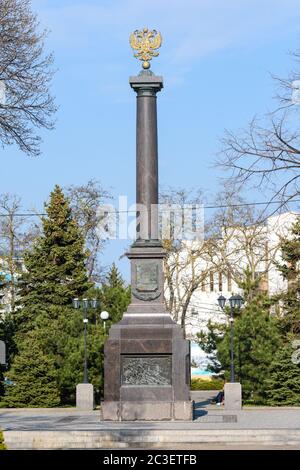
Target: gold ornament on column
146,43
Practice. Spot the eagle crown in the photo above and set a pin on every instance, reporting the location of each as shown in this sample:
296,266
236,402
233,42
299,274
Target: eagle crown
146,43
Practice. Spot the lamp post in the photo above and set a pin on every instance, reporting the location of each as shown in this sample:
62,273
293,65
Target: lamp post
85,304
104,316
235,302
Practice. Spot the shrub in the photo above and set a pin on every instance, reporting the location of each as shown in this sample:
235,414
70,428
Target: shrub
200,384
2,445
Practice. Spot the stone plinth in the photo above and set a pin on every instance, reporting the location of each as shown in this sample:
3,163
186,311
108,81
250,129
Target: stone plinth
233,396
147,374
85,397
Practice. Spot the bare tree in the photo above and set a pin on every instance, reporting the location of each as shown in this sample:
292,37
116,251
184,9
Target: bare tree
25,75
266,154
185,266
85,201
235,246
186,269
13,240
288,88
239,241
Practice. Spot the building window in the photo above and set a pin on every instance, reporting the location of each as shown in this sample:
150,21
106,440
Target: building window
229,282
220,282
211,281
203,282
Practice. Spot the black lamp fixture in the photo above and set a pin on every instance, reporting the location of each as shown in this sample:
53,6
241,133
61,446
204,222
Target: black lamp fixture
222,301
85,304
235,302
239,301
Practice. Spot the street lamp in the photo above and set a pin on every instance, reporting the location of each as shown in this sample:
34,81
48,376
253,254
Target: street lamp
85,304
104,316
235,302
222,301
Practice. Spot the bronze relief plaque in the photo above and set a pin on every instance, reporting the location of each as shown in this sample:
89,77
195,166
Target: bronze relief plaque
147,370
147,277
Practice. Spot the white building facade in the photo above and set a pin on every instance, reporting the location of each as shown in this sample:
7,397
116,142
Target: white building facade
6,280
256,247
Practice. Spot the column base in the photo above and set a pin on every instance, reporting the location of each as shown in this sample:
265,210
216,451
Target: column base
147,411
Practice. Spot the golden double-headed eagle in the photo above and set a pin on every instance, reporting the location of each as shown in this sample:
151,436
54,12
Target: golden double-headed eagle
146,43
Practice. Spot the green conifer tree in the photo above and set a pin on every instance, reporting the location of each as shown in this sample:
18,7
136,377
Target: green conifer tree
55,267
55,274
290,270
257,338
283,384
114,295
33,377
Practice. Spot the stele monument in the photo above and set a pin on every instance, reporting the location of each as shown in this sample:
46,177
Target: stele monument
147,359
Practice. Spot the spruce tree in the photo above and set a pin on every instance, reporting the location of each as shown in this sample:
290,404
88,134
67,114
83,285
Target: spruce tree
55,267
33,377
2,338
283,384
114,295
7,335
290,270
114,278
256,339
55,274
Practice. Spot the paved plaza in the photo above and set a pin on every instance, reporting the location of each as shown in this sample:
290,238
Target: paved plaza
213,427
206,417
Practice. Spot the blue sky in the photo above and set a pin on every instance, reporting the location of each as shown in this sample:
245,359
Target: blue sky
216,60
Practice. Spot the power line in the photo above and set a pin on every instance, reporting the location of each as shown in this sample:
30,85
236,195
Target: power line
224,206
248,204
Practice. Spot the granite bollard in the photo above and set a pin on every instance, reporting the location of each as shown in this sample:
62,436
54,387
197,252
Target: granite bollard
85,397
233,396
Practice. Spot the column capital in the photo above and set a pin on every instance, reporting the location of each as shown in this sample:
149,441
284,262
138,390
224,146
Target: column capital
147,82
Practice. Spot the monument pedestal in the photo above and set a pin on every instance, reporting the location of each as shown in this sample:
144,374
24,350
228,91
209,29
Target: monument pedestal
147,374
147,360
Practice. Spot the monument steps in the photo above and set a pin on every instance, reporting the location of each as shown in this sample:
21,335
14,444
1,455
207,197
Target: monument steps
150,438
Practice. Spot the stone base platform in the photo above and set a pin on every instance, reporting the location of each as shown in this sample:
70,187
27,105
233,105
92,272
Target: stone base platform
213,427
136,438
147,411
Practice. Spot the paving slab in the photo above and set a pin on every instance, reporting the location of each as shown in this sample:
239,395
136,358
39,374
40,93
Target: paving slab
30,420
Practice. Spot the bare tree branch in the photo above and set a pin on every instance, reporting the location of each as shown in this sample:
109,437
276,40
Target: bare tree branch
85,201
266,154
25,73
